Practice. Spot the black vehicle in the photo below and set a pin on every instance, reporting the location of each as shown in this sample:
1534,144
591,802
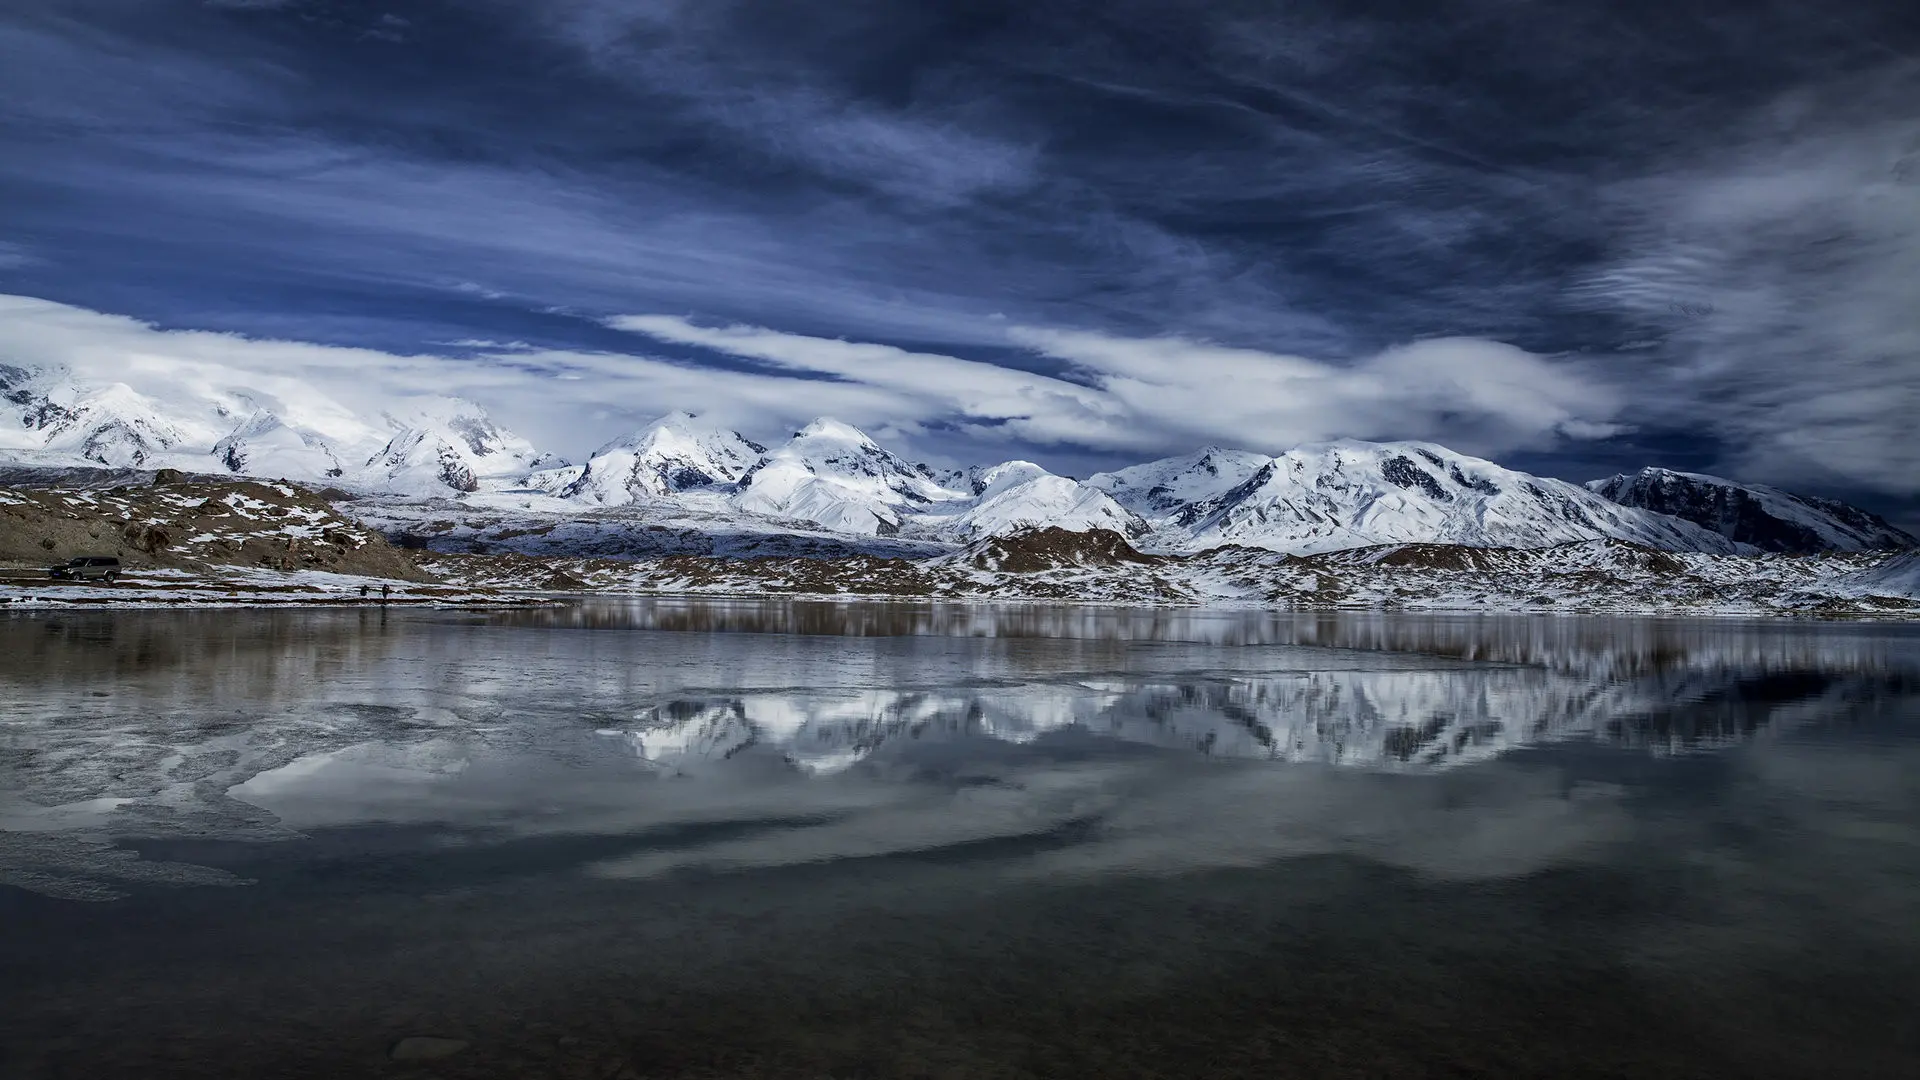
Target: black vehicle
87,568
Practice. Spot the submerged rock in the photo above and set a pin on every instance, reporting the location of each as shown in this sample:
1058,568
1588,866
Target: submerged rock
426,1048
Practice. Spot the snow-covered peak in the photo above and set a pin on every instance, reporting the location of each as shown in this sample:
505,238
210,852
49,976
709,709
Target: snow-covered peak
449,444
832,474
116,425
995,479
1314,498
674,453
264,444
1020,496
21,386
827,429
1167,486
34,400
1347,494
52,418
263,425
461,420
1764,517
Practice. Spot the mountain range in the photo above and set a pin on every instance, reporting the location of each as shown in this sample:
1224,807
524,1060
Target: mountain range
830,475
1377,719
426,446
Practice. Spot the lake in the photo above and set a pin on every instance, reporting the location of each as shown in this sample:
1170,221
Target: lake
687,838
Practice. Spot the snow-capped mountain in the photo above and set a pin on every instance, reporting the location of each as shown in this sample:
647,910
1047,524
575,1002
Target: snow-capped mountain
450,443
113,424
434,446
1763,517
1162,490
266,445
51,418
674,453
1019,495
1318,498
1352,494
831,473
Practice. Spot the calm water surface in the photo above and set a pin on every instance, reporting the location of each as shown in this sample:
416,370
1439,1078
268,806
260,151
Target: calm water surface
714,839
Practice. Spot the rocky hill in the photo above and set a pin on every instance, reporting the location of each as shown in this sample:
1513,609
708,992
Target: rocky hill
1588,577
186,524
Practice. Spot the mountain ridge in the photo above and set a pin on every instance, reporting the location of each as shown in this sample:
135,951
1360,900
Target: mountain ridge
672,454
1314,498
1760,516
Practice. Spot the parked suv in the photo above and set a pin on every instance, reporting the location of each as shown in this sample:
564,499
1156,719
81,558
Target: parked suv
87,568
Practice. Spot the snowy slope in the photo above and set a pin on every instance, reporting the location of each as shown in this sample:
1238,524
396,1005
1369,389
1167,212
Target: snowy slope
450,443
674,453
266,445
1349,494
427,446
52,418
1018,495
118,426
988,481
32,400
831,473
553,481
1898,576
1161,490
1764,517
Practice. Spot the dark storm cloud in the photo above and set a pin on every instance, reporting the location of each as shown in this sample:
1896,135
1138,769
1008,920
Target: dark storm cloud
1704,215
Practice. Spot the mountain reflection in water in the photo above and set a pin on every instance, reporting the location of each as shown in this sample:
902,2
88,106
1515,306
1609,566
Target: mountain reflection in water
1596,645
1663,684
730,838
1368,718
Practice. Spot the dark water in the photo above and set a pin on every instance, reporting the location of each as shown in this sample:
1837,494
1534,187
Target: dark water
674,839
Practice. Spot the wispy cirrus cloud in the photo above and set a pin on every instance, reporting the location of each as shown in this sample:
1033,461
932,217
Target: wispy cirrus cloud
731,67
1165,395
1138,398
1485,396
567,400
1779,276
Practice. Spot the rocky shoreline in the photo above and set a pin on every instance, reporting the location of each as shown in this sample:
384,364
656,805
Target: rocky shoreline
199,541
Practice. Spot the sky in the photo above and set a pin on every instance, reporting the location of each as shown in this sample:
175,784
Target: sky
1576,237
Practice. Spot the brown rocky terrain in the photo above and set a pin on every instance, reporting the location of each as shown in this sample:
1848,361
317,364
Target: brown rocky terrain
207,526
190,524
1035,550
1596,577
